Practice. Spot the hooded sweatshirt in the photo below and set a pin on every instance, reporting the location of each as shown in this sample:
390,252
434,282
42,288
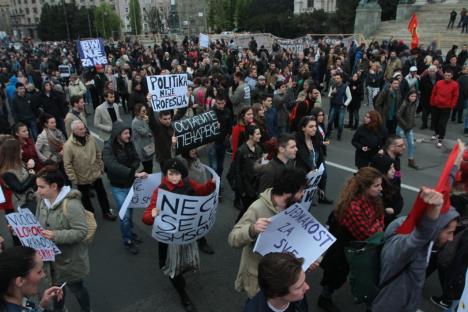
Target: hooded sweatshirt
403,294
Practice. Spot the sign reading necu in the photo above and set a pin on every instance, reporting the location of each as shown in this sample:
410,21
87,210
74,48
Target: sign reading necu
168,91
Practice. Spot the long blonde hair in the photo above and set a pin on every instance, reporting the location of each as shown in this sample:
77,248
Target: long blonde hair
355,187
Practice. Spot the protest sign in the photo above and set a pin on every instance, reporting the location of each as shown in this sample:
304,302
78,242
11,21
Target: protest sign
91,52
463,304
168,91
204,40
29,231
183,219
64,70
313,179
295,230
140,194
2,196
295,45
196,131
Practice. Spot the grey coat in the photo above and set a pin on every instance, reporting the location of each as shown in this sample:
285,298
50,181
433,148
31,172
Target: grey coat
70,233
405,115
403,294
142,136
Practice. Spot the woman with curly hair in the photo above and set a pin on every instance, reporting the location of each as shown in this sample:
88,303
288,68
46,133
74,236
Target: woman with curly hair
358,215
369,139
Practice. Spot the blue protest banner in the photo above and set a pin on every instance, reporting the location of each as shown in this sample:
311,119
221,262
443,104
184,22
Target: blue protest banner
91,52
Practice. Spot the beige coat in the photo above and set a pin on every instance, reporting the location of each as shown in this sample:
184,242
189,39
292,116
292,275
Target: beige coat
83,164
103,121
241,237
70,232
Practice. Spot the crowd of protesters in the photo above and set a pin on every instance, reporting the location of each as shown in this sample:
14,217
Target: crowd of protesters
276,129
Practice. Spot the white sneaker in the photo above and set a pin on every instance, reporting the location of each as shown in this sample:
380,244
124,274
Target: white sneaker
434,137
439,144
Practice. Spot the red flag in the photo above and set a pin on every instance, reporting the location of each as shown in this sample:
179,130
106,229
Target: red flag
443,186
413,29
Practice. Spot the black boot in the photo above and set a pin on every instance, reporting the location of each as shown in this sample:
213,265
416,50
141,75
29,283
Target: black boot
204,247
179,284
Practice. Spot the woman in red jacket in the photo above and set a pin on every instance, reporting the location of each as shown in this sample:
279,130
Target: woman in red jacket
246,117
175,181
358,215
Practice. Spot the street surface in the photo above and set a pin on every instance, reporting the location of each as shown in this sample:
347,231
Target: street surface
123,282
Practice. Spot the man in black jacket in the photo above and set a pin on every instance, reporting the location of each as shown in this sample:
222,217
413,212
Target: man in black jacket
23,110
54,103
121,164
217,152
284,158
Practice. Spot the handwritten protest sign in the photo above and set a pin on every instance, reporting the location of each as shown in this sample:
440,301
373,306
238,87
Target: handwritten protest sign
313,179
196,131
463,304
2,196
140,194
183,219
91,52
28,230
204,40
168,91
295,230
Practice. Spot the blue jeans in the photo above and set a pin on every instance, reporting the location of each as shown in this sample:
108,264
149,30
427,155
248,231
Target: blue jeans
32,128
465,105
126,224
453,307
409,139
341,111
216,156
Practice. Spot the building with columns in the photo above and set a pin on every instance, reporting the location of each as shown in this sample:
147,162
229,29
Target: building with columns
308,6
5,16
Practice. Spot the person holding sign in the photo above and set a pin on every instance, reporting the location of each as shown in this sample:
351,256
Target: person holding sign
359,215
62,215
285,191
122,162
21,271
175,259
282,285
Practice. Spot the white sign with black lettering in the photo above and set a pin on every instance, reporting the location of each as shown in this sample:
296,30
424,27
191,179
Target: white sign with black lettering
140,194
29,232
204,40
313,179
168,91
183,219
295,230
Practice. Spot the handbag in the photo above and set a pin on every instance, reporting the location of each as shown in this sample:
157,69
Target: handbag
149,149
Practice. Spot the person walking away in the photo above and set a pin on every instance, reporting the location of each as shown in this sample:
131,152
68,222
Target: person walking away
453,17
444,98
406,122
121,164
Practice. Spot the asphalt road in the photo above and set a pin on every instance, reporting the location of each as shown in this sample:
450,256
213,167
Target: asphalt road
123,282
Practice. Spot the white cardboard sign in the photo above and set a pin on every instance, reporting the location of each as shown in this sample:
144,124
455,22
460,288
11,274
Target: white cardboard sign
140,194
313,179
29,232
295,230
168,91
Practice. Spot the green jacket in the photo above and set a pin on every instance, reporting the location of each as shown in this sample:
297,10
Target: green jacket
70,233
241,237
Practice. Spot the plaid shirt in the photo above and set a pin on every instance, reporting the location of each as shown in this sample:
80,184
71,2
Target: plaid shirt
360,219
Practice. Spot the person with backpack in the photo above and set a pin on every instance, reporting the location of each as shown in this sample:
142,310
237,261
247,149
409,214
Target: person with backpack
404,257
358,215
62,215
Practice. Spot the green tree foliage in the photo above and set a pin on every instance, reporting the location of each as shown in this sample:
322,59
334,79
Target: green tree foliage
54,19
135,16
221,14
154,20
106,21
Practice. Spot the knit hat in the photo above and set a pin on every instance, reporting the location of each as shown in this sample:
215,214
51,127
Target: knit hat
175,164
381,163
